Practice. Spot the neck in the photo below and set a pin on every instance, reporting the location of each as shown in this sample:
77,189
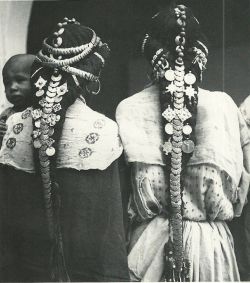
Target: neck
19,108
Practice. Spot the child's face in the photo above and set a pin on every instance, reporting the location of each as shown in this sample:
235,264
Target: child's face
16,79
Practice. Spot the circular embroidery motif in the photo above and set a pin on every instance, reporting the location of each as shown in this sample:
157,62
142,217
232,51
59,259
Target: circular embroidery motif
18,128
26,113
11,143
92,138
99,124
85,152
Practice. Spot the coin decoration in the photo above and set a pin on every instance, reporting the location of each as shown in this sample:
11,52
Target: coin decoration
178,99
62,71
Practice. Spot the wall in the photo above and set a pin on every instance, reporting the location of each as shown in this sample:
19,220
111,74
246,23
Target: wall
14,18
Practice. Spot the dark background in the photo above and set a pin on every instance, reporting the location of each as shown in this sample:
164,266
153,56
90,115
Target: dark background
123,23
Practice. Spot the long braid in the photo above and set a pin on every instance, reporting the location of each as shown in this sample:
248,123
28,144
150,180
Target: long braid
70,59
177,62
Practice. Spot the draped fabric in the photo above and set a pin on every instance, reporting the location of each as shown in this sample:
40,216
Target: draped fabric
220,137
92,226
208,245
89,140
214,182
91,203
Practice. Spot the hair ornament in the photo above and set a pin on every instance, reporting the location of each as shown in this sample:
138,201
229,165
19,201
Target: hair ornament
155,15
203,46
93,87
196,20
144,43
53,96
78,52
100,57
160,63
200,57
71,50
180,101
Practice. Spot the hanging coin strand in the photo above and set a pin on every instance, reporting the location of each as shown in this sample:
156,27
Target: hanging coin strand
45,118
178,131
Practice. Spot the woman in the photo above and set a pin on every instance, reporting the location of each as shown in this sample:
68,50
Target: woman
64,212
186,147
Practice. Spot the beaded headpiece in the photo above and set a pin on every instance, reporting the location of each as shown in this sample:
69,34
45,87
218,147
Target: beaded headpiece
179,104
51,92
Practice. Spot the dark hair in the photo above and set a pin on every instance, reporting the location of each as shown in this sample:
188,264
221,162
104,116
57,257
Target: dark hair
71,78
175,47
163,29
162,32
74,35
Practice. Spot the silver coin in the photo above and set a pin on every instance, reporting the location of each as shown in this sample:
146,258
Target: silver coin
51,94
169,129
37,143
40,92
49,99
56,78
188,146
187,129
53,84
169,75
189,78
50,151
51,89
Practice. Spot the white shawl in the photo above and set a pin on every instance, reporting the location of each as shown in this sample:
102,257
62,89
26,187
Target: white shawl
89,140
220,130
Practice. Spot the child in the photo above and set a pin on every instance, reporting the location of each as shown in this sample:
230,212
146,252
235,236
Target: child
16,79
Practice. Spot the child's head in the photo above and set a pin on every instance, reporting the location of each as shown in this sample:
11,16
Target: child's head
16,79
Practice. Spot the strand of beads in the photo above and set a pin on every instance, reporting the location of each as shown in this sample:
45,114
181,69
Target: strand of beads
45,120
176,114
79,51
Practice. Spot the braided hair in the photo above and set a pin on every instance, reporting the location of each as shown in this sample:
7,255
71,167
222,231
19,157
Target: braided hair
66,68
175,48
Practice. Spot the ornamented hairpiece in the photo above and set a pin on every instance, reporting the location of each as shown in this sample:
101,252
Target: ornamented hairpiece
78,52
181,97
144,43
200,57
50,94
70,50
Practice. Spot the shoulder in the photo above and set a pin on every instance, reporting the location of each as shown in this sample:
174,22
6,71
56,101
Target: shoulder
245,109
7,112
218,98
135,101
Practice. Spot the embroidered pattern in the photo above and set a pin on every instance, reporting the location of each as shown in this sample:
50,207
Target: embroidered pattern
18,128
99,124
85,152
92,138
26,113
11,143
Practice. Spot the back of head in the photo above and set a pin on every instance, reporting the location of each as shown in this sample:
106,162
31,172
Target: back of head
67,67
24,61
164,28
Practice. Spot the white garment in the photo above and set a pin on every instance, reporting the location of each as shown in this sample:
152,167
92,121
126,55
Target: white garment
208,246
245,110
220,130
89,140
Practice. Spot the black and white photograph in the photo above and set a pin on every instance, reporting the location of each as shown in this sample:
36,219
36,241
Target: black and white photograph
124,140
